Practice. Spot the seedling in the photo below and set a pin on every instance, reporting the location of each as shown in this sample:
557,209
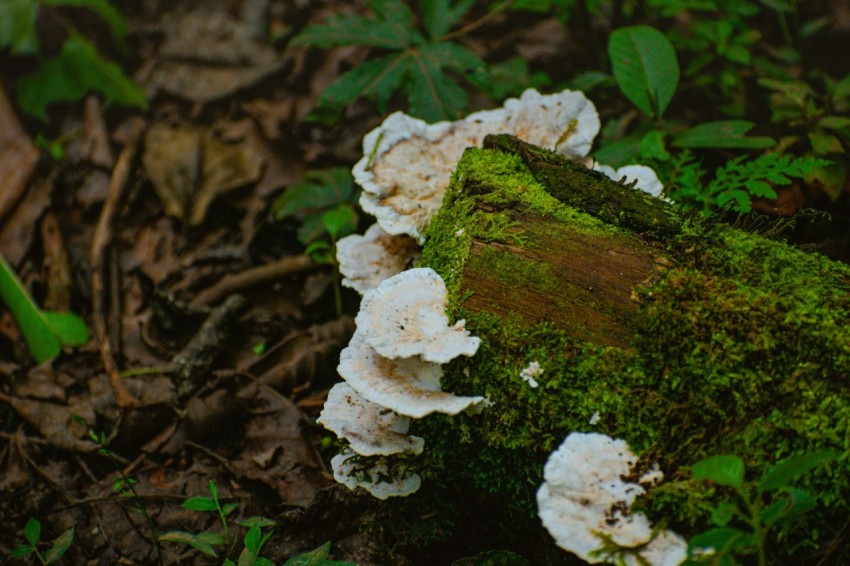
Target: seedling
757,506
32,534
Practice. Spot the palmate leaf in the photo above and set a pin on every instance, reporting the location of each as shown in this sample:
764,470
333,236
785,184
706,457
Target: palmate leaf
74,72
377,80
358,30
441,15
17,26
102,8
433,95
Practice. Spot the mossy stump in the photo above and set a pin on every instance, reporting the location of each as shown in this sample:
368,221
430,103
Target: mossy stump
685,337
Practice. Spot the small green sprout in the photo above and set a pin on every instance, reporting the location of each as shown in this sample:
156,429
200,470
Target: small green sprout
32,534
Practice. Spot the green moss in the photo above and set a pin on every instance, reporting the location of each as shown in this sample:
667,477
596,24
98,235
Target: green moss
740,346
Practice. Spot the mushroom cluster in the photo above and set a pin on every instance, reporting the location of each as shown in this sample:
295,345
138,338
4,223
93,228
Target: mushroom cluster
584,500
392,374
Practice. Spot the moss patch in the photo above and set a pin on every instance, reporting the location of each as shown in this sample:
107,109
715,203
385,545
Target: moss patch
729,343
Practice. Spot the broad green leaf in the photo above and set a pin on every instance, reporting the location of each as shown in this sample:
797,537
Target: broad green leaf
195,541
727,470
43,343
618,153
256,521
838,124
652,146
340,221
783,473
229,508
317,557
356,30
441,15
213,492
246,558
73,73
722,539
68,327
645,67
200,504
32,531
723,513
377,79
17,26
790,504
102,8
60,546
729,134
432,94
824,144
830,177
252,539
22,550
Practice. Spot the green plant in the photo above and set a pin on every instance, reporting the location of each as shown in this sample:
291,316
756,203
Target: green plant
735,183
317,557
324,200
77,69
424,61
818,121
45,332
205,542
757,506
32,534
253,541
124,484
646,69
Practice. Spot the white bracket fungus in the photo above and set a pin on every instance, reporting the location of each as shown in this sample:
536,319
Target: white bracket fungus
405,316
407,386
407,163
583,494
366,260
370,430
377,479
530,372
644,177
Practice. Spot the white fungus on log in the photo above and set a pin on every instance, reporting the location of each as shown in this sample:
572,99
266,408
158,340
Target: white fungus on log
407,164
583,494
644,177
366,260
374,475
405,316
370,430
407,386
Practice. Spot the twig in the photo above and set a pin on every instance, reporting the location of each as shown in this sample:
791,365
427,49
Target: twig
235,282
100,245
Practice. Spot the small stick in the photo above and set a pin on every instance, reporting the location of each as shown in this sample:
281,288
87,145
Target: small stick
236,282
100,244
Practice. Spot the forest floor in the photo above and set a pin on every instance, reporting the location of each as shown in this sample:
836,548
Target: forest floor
155,226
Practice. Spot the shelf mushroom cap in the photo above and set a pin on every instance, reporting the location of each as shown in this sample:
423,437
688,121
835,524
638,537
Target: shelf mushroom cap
583,494
645,177
366,260
370,430
407,164
407,386
405,316
376,480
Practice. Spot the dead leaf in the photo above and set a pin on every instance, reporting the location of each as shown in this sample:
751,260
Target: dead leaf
95,139
18,157
55,422
190,167
208,55
276,451
18,229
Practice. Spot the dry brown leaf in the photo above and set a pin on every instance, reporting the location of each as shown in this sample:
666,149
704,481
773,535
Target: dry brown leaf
275,449
18,157
56,422
207,55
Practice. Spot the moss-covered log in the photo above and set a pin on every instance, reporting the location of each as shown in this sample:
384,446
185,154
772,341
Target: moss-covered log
685,337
